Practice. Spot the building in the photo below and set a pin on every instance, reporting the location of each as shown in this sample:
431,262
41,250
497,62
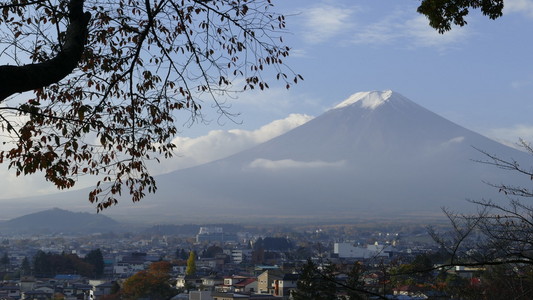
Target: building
348,250
214,234
241,255
200,295
285,287
266,281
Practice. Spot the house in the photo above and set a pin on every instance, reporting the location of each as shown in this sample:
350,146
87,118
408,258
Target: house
103,289
238,284
466,272
248,285
409,292
45,289
206,264
9,292
67,277
80,291
285,286
132,263
27,284
36,295
200,295
210,282
348,250
188,282
266,281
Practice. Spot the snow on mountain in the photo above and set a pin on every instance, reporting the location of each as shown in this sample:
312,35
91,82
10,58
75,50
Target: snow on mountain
377,154
367,99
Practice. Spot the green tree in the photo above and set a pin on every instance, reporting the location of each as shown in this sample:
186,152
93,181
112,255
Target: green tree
212,251
181,254
419,271
443,13
49,264
191,264
118,71
314,283
355,289
41,264
96,259
306,287
4,261
25,268
153,283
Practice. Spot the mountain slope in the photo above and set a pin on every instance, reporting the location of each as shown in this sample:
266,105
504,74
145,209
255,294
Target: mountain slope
395,158
377,154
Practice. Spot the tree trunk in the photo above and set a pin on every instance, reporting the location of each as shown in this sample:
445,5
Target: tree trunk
18,79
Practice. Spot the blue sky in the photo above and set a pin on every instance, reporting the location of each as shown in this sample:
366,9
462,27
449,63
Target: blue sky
479,76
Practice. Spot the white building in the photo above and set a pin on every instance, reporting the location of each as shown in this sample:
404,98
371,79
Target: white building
240,255
348,250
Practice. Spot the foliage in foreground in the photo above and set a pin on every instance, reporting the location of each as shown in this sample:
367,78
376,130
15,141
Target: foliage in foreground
154,283
109,78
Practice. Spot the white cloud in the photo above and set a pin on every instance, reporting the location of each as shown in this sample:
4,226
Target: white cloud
455,140
510,136
325,21
298,53
222,143
407,32
284,164
522,83
418,30
519,6
191,151
381,32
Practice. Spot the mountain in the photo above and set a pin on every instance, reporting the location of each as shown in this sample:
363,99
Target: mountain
59,221
375,155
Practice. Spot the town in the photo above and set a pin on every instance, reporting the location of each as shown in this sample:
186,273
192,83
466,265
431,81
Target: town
229,261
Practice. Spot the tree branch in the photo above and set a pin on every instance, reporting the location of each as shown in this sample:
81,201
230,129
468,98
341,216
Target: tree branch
18,79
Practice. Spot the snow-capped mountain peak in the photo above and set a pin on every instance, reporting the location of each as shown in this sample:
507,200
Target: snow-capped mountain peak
369,100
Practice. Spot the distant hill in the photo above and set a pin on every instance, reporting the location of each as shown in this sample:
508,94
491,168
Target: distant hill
60,221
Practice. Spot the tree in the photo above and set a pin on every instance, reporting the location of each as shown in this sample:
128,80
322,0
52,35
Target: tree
41,265
443,13
319,282
500,232
306,285
96,259
25,268
48,265
191,264
4,261
153,283
212,251
117,73
499,236
354,283
315,284
181,253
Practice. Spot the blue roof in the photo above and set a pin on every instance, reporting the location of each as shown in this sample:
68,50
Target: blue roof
67,277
